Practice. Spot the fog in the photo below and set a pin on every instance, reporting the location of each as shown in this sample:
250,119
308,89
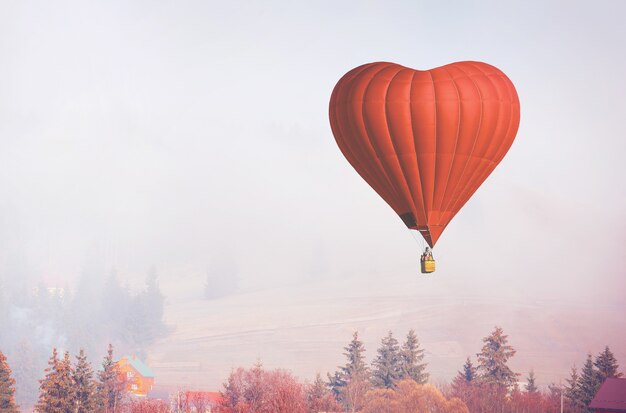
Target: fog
193,138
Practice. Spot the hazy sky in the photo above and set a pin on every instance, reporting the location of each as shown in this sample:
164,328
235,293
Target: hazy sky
191,135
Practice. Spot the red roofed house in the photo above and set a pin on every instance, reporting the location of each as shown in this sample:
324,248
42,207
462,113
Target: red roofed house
138,376
611,397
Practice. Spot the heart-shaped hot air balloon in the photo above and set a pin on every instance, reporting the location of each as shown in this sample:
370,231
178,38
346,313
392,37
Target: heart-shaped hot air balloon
425,140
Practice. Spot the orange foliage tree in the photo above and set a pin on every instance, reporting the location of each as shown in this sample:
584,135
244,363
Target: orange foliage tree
195,401
410,397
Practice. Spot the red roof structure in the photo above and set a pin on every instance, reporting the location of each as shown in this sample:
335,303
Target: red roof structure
611,397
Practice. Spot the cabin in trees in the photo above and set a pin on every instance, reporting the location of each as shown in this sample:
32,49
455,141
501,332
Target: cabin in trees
611,397
139,378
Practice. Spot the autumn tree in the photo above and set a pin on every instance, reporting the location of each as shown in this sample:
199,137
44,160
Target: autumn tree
381,400
411,356
285,394
411,397
147,406
85,387
111,387
351,382
7,389
606,365
259,391
386,366
256,388
194,401
57,387
235,392
319,398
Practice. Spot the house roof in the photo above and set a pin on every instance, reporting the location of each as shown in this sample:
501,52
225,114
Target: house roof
611,395
139,365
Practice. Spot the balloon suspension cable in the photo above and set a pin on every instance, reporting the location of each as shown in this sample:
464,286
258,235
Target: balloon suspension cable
418,239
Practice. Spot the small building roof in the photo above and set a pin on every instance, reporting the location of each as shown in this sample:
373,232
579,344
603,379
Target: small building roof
611,395
140,366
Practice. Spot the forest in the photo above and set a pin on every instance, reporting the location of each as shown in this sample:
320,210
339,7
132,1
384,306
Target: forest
396,381
34,318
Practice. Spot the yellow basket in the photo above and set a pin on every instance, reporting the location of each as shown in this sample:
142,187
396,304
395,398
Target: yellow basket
428,266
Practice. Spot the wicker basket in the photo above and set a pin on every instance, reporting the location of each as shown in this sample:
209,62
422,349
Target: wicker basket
428,266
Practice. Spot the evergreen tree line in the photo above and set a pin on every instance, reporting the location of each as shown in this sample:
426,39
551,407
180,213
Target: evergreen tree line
70,387
98,310
492,386
392,364
486,385
581,388
396,381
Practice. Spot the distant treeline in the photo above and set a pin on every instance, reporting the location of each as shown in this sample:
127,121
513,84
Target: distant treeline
396,381
98,310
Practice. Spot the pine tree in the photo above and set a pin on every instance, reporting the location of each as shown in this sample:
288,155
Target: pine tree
56,389
607,365
386,366
531,386
572,391
7,389
336,383
464,385
317,390
48,396
411,356
319,397
588,383
469,371
493,358
85,388
351,382
355,367
464,378
111,388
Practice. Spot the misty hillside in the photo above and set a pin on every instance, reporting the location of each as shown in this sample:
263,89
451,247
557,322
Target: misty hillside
305,327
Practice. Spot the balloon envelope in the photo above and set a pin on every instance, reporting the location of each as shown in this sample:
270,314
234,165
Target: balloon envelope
425,140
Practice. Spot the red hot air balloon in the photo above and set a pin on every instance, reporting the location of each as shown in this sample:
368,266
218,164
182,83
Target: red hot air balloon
425,140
